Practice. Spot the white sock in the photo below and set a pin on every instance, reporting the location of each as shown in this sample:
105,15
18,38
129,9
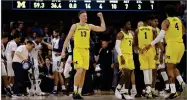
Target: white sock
148,89
164,76
79,90
146,76
75,88
173,89
150,76
55,87
63,87
134,87
119,86
179,78
167,87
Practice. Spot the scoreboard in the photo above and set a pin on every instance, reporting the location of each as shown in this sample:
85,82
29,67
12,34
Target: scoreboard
90,5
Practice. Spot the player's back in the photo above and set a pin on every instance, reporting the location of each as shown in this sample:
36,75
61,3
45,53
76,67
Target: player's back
145,35
174,32
82,36
11,46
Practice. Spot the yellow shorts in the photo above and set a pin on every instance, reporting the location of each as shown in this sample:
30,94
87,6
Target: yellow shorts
129,62
147,60
174,52
81,58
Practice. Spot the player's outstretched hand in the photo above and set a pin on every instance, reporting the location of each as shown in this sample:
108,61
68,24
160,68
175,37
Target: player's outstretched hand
99,14
146,48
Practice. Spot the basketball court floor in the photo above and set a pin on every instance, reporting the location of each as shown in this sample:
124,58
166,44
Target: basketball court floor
98,96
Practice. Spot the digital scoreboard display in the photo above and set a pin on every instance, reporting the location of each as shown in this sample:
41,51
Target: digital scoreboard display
92,5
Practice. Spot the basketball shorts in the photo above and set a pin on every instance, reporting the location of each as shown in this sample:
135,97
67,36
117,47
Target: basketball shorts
10,71
3,69
174,52
56,64
81,58
129,62
147,60
68,67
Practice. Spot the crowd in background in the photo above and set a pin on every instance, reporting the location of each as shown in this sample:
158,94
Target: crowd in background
101,53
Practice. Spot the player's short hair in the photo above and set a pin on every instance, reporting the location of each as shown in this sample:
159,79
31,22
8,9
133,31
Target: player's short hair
56,30
82,11
29,42
38,35
4,35
125,23
170,10
16,35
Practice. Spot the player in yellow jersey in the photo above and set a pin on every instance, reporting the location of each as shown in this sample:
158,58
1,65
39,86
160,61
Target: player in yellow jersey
81,33
172,30
160,64
143,36
123,47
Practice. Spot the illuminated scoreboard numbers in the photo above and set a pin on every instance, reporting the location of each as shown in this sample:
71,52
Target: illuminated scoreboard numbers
87,4
100,2
114,4
139,2
72,4
21,4
152,4
56,4
126,2
38,4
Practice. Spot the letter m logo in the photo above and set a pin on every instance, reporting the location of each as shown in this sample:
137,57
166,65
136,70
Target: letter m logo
21,4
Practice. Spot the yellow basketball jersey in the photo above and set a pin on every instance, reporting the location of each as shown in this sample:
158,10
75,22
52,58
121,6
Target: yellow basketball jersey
82,36
174,32
145,36
158,30
126,43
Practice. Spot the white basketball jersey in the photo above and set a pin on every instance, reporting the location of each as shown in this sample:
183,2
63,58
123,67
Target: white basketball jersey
11,46
55,44
34,52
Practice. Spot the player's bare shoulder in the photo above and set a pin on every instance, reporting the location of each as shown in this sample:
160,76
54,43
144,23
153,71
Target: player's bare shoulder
119,36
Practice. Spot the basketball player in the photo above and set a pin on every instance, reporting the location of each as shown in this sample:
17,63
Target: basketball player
10,49
34,54
81,32
160,64
4,40
123,47
172,30
56,52
144,34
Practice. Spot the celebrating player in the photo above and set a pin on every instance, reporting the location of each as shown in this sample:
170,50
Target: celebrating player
172,30
144,34
81,32
125,58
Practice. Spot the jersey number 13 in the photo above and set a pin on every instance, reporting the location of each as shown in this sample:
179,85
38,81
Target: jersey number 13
83,33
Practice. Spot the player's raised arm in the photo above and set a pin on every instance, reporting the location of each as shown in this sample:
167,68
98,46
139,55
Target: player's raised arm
70,34
99,28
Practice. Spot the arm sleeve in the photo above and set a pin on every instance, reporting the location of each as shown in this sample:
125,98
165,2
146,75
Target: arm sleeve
117,47
158,38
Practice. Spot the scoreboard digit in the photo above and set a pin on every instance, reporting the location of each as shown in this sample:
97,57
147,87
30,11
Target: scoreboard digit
93,5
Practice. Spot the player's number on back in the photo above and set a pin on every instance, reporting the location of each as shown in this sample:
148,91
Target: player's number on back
176,26
145,35
83,33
